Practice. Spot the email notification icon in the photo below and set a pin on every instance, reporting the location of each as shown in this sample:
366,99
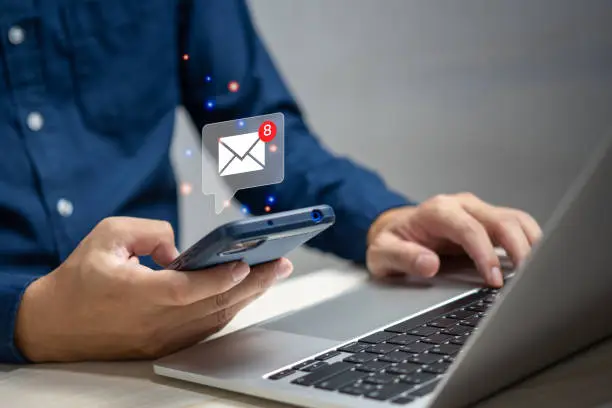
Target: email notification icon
241,154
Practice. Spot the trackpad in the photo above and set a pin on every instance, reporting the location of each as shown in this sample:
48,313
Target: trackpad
365,309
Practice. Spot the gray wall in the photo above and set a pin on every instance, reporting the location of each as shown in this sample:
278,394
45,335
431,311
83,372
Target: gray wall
502,98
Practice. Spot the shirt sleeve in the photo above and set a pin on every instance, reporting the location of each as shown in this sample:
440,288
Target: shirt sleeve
12,287
223,46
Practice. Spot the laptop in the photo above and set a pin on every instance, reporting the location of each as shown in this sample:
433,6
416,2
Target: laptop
448,344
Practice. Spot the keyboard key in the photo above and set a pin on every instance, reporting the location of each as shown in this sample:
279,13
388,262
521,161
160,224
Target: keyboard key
418,378
446,349
281,374
490,298
471,321
314,366
353,347
395,357
372,366
442,323
437,368
424,358
360,358
388,391
322,373
402,400
460,314
302,365
403,327
437,339
479,307
403,369
338,381
327,356
457,330
423,331
449,359
403,339
460,340
358,389
379,379
377,337
382,348
425,390
416,348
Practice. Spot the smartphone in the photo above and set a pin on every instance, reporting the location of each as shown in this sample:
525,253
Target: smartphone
256,240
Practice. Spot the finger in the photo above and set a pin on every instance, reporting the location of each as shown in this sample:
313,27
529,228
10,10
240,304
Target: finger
197,330
139,237
511,236
390,255
505,227
261,278
484,212
464,230
530,226
176,288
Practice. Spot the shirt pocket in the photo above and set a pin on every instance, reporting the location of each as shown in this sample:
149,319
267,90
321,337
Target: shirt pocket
124,62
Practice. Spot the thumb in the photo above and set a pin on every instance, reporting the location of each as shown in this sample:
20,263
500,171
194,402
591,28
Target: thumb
141,237
397,255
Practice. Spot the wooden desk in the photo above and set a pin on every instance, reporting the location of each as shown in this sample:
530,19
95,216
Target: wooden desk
583,381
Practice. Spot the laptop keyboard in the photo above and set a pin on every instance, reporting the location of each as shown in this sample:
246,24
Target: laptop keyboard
400,363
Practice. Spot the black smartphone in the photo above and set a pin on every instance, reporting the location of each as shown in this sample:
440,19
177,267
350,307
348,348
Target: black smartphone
257,239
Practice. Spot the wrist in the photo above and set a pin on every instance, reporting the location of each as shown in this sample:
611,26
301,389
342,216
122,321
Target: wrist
30,322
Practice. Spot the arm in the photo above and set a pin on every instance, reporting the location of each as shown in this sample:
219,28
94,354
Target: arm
12,287
221,41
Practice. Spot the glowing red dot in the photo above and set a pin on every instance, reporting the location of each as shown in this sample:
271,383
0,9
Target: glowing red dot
233,86
273,148
226,203
267,208
186,57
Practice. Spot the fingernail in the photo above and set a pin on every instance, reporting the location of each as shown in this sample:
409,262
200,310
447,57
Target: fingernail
425,264
496,276
284,269
240,270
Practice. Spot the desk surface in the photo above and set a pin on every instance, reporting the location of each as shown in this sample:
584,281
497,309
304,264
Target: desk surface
583,381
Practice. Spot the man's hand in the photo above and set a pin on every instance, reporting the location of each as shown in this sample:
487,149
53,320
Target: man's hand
409,239
102,304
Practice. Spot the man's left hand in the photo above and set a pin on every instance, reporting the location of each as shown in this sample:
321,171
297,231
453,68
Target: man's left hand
410,240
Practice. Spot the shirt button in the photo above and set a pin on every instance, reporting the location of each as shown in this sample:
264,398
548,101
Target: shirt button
35,121
16,35
64,207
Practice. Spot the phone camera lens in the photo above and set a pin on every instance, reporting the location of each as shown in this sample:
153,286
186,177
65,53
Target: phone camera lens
316,215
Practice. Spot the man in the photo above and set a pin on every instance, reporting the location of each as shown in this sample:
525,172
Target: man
88,201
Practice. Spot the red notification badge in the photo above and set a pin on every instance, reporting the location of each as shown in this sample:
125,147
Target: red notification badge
267,131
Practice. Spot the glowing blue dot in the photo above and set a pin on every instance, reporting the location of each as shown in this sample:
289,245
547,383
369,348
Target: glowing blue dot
208,78
188,152
271,199
244,210
210,104
241,123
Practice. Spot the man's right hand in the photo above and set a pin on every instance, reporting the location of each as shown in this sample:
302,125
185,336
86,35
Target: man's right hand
102,304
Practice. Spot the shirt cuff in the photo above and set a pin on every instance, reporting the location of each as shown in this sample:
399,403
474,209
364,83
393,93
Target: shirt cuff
12,287
364,216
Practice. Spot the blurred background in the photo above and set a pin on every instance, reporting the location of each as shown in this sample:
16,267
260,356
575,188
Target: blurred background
506,99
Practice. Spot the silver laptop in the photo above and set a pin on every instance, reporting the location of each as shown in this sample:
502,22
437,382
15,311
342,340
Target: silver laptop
431,344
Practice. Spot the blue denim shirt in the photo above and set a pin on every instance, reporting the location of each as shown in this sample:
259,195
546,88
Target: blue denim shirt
88,91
